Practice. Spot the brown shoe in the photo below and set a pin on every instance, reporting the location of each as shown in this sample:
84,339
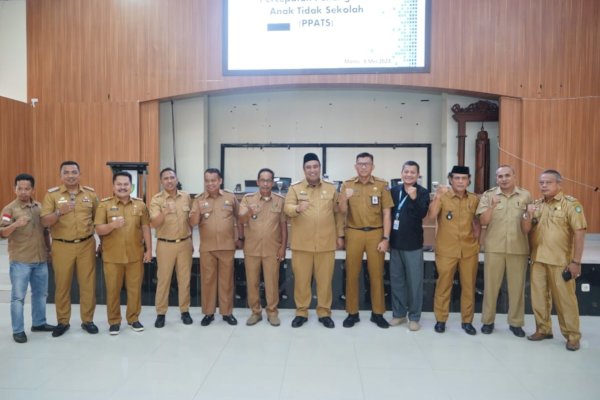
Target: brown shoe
572,345
537,336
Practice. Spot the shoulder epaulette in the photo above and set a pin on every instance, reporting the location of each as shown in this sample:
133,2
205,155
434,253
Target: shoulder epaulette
107,198
136,198
327,181
379,179
227,191
350,179
277,195
538,201
91,189
570,198
53,189
249,194
491,190
295,183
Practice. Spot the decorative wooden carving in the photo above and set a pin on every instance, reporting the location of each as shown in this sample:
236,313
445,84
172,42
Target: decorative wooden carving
480,111
482,161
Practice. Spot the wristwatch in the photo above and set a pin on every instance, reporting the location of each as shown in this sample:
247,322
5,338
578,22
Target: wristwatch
385,238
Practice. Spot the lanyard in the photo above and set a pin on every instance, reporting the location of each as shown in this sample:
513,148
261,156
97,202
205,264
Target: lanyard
402,200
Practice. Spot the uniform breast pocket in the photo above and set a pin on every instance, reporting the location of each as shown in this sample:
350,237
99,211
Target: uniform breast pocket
137,212
302,197
112,215
277,208
558,214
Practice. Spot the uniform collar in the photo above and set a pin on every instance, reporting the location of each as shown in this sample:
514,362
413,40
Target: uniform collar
166,194
306,184
22,204
559,196
516,190
63,189
371,180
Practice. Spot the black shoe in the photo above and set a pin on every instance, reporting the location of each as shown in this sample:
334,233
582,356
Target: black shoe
350,320
60,330
379,320
327,322
486,329
468,327
114,329
440,327
207,320
137,326
298,321
43,328
230,319
89,327
20,337
517,331
186,318
160,321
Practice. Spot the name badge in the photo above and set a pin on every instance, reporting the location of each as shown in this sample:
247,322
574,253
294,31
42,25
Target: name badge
396,225
374,200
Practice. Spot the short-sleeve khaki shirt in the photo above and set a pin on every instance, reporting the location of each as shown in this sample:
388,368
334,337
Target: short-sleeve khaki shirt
317,228
365,207
503,234
126,244
77,224
553,226
26,244
175,225
218,223
455,237
263,231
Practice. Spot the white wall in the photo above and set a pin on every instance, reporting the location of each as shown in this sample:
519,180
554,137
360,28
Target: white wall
311,115
13,50
190,122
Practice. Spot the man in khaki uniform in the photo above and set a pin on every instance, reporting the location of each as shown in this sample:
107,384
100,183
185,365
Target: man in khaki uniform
456,245
215,212
556,226
317,228
68,210
366,201
28,244
506,249
265,230
123,223
169,215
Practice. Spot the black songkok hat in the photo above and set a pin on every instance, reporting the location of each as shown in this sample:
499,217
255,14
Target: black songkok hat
310,157
460,169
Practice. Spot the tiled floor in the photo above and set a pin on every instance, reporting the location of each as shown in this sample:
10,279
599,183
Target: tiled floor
312,362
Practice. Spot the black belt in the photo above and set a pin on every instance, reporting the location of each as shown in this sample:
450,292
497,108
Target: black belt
366,228
174,240
73,241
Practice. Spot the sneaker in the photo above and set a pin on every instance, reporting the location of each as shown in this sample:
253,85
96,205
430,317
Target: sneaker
114,329
186,318
136,326
414,326
274,320
254,319
397,321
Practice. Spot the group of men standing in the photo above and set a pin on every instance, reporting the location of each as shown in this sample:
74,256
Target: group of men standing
364,217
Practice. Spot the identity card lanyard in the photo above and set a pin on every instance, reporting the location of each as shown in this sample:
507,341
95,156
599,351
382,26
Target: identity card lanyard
397,219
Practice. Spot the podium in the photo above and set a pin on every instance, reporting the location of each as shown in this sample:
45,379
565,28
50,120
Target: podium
139,175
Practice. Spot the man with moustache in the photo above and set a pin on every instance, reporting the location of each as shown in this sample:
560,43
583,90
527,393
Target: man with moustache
456,245
366,201
28,245
123,223
411,202
556,226
215,212
317,228
506,249
69,210
169,216
265,230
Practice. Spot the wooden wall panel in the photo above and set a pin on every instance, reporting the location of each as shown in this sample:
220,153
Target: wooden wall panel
15,144
93,62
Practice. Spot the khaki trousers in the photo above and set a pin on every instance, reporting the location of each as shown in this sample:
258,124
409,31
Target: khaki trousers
446,268
115,274
305,265
547,285
270,269
357,243
171,256
216,278
81,259
515,266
